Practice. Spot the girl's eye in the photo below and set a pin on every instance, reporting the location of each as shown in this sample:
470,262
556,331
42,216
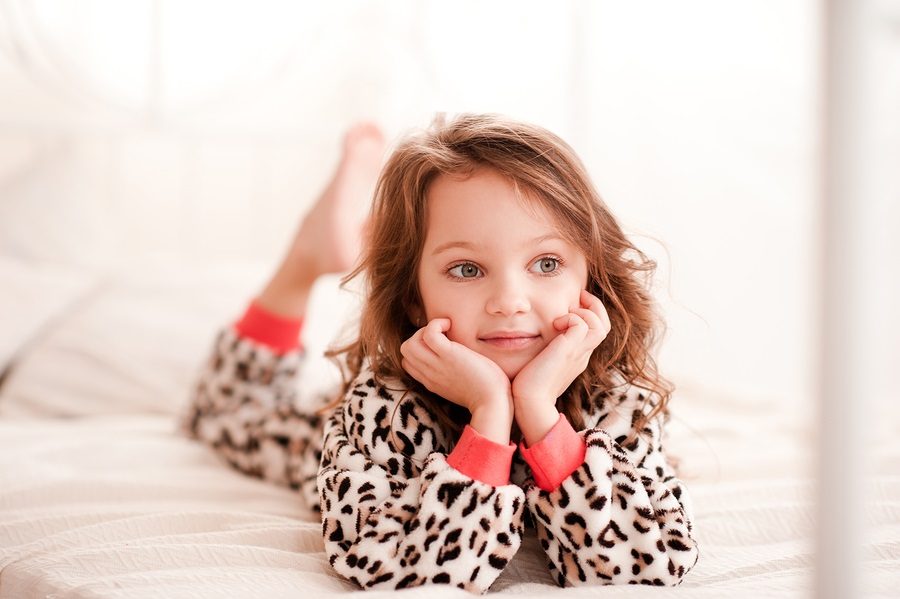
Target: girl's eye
546,265
466,270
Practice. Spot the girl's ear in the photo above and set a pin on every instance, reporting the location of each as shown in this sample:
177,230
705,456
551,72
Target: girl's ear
416,315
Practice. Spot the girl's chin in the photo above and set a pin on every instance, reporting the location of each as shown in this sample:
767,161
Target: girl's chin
511,368
511,374
511,365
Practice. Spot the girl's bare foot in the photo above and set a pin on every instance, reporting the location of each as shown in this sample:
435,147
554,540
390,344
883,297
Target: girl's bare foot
329,238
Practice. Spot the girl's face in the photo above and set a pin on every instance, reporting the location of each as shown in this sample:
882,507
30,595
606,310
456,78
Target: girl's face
497,269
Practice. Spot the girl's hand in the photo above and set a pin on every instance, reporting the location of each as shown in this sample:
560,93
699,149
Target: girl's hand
454,371
550,372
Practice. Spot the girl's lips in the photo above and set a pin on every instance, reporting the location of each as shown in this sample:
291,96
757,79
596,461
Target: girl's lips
511,342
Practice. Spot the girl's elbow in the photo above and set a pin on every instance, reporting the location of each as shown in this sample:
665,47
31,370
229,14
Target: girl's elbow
681,562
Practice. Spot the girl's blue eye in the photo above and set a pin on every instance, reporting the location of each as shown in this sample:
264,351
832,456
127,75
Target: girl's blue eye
547,265
466,270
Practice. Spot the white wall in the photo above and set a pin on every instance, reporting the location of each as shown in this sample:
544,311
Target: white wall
697,119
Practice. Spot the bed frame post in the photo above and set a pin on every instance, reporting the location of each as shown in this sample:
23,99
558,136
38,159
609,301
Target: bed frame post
839,526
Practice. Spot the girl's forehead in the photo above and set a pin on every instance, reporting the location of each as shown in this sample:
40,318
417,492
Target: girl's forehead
490,202
485,189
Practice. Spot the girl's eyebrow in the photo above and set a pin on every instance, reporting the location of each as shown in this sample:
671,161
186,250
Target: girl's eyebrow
547,237
453,244
471,246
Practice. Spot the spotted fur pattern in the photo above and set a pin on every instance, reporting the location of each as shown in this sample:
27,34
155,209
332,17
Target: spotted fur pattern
247,407
395,514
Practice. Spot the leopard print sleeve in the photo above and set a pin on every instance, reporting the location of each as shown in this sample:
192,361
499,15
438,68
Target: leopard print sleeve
247,407
622,517
395,514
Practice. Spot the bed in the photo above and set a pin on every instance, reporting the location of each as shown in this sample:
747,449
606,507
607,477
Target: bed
100,496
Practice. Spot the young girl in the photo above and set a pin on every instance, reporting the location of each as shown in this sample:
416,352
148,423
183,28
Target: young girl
503,311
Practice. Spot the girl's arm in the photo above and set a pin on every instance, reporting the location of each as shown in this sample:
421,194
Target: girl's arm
395,512
621,517
245,403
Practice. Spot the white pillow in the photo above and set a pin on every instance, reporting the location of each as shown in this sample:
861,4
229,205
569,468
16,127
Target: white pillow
137,344
32,296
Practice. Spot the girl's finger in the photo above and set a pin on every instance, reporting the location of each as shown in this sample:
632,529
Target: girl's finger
576,329
442,323
418,350
593,321
408,347
599,328
562,323
593,303
433,335
572,327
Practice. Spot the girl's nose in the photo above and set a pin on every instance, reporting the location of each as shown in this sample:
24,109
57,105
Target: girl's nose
507,297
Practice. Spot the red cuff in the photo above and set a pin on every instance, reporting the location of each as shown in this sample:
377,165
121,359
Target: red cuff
555,457
480,458
279,333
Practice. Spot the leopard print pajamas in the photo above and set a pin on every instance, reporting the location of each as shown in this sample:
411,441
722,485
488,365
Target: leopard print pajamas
395,514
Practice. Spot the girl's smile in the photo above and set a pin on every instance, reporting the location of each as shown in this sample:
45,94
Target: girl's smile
511,340
494,264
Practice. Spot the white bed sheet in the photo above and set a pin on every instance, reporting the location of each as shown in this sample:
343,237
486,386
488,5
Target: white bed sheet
123,506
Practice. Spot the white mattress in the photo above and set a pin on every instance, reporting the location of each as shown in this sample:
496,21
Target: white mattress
122,506
111,501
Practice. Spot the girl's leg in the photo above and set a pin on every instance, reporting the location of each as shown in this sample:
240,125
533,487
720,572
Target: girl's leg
328,240
246,404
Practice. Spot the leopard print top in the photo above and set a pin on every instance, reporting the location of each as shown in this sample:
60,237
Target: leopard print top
395,514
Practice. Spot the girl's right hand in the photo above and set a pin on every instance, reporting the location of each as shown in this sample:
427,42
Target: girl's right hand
454,371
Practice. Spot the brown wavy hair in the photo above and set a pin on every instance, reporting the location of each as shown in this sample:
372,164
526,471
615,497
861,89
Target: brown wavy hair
544,169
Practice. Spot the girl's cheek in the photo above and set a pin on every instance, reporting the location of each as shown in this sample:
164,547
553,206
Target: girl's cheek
451,333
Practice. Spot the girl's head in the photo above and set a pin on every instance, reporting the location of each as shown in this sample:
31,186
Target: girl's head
495,262
495,224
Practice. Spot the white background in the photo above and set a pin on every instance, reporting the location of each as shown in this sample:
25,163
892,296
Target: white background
200,131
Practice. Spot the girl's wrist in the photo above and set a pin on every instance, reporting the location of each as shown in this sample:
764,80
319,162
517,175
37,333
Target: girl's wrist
493,421
527,402
535,420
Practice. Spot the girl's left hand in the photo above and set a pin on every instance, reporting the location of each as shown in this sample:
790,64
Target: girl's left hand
550,372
